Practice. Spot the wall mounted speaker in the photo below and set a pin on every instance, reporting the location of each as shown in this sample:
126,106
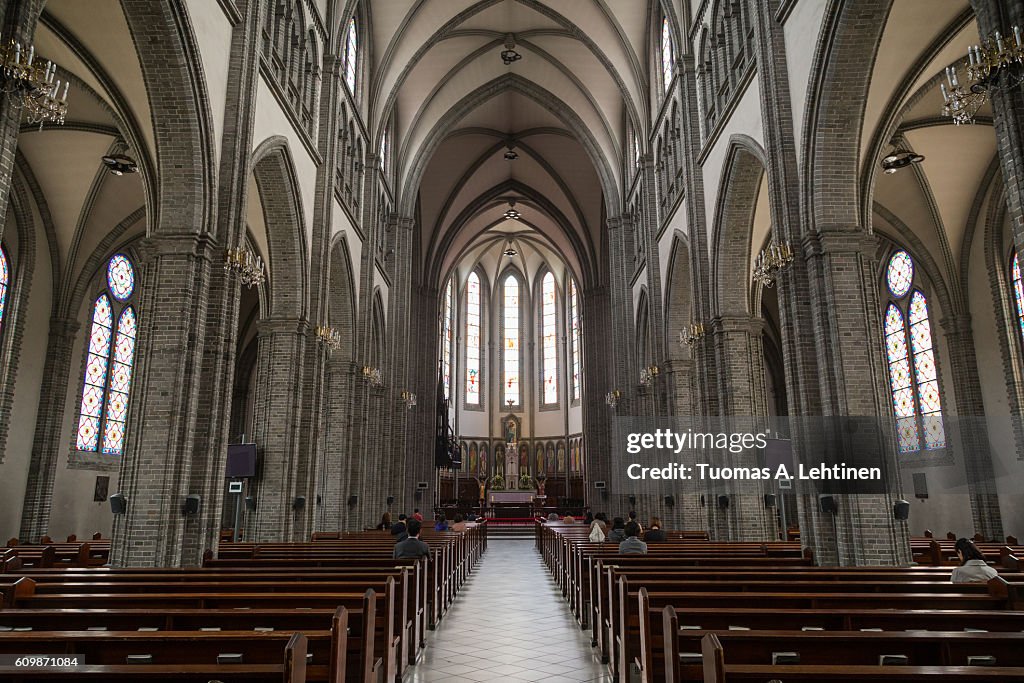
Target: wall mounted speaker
352,500
391,500
828,504
191,505
703,503
250,503
670,501
299,503
901,510
118,504
769,500
632,501
723,502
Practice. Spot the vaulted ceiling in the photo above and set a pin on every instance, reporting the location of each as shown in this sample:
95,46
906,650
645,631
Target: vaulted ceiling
438,76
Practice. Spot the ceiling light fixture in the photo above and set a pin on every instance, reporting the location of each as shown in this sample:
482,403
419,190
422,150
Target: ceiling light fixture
509,55
898,160
996,64
32,85
510,250
511,214
119,164
511,155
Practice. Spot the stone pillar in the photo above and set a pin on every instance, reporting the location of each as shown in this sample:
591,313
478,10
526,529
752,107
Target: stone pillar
972,429
402,344
47,446
278,406
335,478
1007,111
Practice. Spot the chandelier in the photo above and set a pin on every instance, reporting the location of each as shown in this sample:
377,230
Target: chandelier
772,259
32,85
996,64
648,374
329,337
245,264
692,335
509,55
612,398
372,376
512,214
409,398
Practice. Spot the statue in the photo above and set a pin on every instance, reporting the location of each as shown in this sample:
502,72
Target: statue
512,467
482,483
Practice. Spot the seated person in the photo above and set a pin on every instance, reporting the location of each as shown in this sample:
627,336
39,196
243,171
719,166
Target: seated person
398,529
412,546
655,534
440,523
568,519
632,545
458,524
973,567
385,522
417,515
618,531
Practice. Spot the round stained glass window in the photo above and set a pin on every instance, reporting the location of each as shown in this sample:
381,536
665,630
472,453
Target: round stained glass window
121,277
900,273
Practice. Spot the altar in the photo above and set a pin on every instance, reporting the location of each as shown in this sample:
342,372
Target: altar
512,504
520,497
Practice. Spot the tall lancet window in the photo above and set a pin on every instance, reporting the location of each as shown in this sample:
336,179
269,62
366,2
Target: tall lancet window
1018,292
549,339
351,46
473,340
446,339
913,373
384,149
109,362
574,333
511,343
667,58
5,280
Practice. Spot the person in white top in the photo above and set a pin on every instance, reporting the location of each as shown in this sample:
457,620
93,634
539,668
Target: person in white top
973,567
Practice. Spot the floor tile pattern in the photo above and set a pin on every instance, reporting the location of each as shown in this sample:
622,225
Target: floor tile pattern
509,623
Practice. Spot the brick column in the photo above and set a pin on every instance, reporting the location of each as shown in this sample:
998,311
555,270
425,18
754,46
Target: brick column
972,428
47,445
278,406
18,19
335,478
403,345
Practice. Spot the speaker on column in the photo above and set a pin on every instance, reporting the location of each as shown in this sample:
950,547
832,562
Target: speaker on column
723,502
828,504
901,510
118,504
769,500
670,501
191,505
299,503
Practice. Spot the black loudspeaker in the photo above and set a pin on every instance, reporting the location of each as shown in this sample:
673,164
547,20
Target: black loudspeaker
769,500
299,503
702,502
901,510
723,502
670,501
828,504
241,460
352,500
118,504
632,501
191,505
391,500
250,504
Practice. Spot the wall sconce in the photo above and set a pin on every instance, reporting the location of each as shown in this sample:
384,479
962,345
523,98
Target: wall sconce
693,334
612,398
409,398
774,258
245,264
372,376
329,337
648,374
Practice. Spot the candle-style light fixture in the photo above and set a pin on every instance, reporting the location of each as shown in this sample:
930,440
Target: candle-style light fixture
409,398
372,376
997,63
612,398
648,374
329,337
693,334
33,84
247,265
772,259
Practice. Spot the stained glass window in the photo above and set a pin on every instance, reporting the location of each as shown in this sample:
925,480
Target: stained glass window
574,333
5,275
913,374
900,274
350,56
446,339
109,361
549,341
473,340
667,67
511,344
1018,292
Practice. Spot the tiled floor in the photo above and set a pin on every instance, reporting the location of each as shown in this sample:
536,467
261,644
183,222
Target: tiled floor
509,623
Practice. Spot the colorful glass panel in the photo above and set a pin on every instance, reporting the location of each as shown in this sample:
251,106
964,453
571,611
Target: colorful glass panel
900,274
549,339
121,277
473,340
1018,292
900,382
116,413
511,344
350,56
95,381
5,274
925,373
666,53
574,324
446,339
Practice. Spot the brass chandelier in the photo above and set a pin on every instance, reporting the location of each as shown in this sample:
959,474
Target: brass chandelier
997,63
33,85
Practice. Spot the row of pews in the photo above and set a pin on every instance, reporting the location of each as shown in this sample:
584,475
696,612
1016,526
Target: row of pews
336,609
693,610
48,553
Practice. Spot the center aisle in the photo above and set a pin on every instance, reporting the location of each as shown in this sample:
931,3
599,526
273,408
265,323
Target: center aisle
509,623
